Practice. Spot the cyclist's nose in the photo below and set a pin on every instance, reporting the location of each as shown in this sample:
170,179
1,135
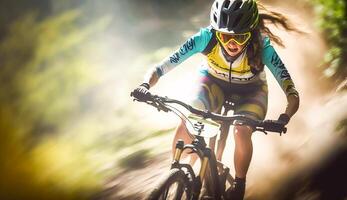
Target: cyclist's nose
232,44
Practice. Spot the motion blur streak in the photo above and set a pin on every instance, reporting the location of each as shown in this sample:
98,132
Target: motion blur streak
69,129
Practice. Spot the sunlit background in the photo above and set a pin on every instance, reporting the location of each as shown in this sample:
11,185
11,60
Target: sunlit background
69,129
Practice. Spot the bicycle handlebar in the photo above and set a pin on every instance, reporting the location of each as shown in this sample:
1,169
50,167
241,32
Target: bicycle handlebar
259,125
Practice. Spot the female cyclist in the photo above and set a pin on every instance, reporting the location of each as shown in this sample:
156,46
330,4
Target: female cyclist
237,46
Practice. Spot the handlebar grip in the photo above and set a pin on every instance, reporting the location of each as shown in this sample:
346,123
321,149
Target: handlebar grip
274,126
141,96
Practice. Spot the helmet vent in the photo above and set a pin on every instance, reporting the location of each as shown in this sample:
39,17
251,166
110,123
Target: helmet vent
249,19
237,20
224,19
234,16
238,5
227,4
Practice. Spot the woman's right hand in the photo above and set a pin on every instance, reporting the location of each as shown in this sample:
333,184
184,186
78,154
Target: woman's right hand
142,92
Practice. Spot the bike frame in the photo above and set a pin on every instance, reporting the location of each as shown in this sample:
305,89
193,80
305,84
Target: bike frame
207,159
199,147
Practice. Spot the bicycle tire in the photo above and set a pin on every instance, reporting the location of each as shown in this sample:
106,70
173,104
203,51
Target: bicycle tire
174,176
225,178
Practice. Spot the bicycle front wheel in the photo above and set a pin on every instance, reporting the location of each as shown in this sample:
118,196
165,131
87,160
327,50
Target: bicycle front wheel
175,186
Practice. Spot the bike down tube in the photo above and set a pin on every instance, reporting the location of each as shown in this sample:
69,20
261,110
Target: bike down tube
203,168
212,163
207,159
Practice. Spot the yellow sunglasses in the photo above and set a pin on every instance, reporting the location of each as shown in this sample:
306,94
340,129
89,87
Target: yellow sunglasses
239,39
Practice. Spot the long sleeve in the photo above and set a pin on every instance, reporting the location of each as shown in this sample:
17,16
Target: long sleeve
277,68
195,44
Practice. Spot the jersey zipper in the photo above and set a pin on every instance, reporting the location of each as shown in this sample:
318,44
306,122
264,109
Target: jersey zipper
230,73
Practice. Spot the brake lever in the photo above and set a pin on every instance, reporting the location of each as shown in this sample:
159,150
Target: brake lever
261,130
161,106
139,100
284,131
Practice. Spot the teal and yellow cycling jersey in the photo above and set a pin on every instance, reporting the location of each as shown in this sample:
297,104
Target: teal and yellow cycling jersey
217,65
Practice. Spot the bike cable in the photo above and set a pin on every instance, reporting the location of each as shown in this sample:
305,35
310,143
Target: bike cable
183,117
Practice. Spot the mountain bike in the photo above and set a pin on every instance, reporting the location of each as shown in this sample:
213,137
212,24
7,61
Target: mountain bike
213,178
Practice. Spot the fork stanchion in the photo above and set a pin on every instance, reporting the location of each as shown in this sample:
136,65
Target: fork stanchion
203,168
178,153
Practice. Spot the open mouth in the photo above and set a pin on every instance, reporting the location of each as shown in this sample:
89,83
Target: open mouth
233,50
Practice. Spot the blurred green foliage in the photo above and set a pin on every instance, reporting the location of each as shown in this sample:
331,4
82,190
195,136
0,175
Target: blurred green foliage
332,19
40,69
43,73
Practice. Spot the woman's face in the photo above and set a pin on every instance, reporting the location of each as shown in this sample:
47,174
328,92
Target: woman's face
233,49
233,43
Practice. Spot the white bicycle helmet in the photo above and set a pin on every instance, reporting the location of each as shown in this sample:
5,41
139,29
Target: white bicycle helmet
234,16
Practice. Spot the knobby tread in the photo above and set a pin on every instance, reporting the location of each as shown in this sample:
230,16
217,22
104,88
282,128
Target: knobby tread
174,175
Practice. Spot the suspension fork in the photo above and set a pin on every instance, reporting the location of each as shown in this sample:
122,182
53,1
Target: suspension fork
178,153
203,168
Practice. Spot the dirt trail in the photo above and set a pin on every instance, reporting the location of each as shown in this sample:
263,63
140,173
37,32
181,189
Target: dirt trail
301,56
135,184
